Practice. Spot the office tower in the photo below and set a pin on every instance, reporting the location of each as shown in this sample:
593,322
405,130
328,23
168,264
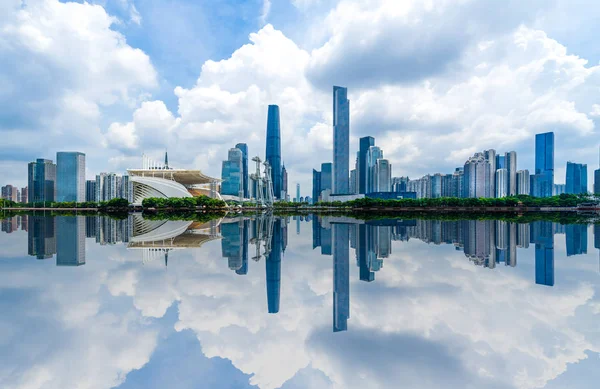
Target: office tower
25,195
273,268
70,240
477,180
298,198
273,154
576,239
231,245
458,185
522,178
576,181
542,181
353,182
511,169
245,177
41,237
326,176
558,189
399,184
316,192
490,156
383,176
373,154
125,189
41,181
542,236
364,144
90,190
500,162
70,176
436,185
231,174
341,277
341,140
284,183
501,183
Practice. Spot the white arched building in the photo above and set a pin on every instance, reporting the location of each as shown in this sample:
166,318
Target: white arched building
154,180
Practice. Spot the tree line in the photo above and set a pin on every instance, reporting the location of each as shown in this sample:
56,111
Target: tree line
184,202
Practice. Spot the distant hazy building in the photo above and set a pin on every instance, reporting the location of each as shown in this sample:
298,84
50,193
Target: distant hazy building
341,140
478,176
41,181
542,181
511,170
501,183
558,189
436,185
597,182
373,155
298,193
399,184
327,176
576,179
245,177
231,174
90,190
10,192
491,157
284,183
353,182
25,195
383,175
523,187
273,152
70,176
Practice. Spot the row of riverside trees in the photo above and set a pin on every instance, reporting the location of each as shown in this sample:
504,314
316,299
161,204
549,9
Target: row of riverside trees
563,200
185,202
114,203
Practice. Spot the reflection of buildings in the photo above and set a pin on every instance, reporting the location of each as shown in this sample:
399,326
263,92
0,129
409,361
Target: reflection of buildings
543,237
12,224
273,268
232,244
576,238
341,277
70,240
41,237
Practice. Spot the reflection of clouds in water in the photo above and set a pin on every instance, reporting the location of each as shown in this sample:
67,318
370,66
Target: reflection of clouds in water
430,319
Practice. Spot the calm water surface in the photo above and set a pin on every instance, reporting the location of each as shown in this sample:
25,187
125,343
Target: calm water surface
298,302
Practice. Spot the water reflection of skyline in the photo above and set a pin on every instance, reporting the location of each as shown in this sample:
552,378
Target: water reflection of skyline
485,243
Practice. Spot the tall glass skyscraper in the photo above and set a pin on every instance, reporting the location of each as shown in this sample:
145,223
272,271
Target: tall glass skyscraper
542,182
364,144
244,149
231,174
70,176
341,141
41,181
511,170
326,176
273,154
576,178
316,191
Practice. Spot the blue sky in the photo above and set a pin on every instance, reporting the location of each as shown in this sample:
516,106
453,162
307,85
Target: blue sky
432,81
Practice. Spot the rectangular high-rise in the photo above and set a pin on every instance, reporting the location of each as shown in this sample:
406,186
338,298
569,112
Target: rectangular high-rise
244,149
273,153
510,159
523,187
576,179
542,182
70,176
341,141
597,182
231,174
41,181
316,191
326,176
364,144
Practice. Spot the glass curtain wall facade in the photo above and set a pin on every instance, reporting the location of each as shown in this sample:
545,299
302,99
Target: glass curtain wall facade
273,153
41,181
341,141
70,177
576,180
542,182
364,144
244,149
231,174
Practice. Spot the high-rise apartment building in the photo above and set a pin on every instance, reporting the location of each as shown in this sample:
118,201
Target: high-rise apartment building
107,187
542,182
576,180
490,156
231,174
477,179
383,175
511,170
70,176
364,144
42,181
273,153
24,195
501,183
522,178
245,176
10,192
90,190
341,140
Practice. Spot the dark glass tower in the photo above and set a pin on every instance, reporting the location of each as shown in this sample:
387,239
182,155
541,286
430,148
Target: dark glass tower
341,141
273,154
364,145
543,237
70,176
341,277
316,190
244,148
576,180
273,268
41,181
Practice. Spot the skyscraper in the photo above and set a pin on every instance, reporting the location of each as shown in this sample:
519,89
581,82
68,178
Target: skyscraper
523,187
501,183
341,140
70,176
41,181
90,190
298,193
576,179
511,171
284,183
273,154
231,174
353,182
364,144
542,182
477,176
316,190
244,149
326,176
373,154
490,156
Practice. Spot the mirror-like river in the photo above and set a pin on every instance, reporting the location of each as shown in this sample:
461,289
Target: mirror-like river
298,302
